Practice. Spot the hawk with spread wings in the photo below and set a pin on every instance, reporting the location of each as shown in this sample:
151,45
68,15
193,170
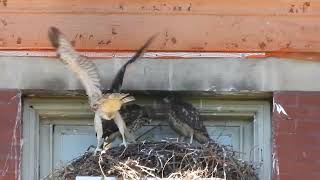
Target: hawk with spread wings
184,118
105,106
134,115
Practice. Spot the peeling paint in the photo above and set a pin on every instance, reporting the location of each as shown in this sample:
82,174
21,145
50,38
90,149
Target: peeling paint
129,55
230,89
14,152
5,3
275,164
212,88
277,107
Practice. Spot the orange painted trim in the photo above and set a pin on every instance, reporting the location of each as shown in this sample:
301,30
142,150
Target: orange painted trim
152,55
184,26
177,33
165,7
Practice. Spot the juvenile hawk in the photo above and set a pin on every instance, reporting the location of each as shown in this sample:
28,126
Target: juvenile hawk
185,119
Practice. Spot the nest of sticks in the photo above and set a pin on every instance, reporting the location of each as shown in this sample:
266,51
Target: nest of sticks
161,160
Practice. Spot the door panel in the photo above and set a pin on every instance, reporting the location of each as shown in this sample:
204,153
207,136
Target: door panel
234,133
71,141
62,143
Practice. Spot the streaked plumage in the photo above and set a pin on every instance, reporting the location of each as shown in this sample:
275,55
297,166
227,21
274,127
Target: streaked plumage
105,106
184,118
84,68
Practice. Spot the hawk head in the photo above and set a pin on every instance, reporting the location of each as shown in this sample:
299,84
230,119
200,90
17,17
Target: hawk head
110,104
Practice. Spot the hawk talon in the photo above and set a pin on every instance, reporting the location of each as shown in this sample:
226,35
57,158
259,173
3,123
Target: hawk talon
130,137
181,139
96,151
123,144
191,139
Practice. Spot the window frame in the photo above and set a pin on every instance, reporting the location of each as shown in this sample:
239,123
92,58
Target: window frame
53,108
260,112
47,109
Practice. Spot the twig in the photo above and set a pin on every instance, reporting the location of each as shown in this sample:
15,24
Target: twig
100,160
161,160
166,164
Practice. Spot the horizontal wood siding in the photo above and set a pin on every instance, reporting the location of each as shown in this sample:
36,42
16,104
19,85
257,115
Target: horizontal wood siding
197,25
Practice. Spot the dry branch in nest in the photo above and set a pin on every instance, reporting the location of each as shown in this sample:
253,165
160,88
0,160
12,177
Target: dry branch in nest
161,160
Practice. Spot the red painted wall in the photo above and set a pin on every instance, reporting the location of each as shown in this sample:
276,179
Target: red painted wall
10,134
297,136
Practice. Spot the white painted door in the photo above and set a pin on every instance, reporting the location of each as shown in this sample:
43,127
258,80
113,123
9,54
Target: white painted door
63,143
71,141
236,134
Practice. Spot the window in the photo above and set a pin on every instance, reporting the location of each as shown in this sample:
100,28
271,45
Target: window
56,130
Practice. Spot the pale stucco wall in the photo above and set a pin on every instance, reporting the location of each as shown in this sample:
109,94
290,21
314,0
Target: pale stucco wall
201,74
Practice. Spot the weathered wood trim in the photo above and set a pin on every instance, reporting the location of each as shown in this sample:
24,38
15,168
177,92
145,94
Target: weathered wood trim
188,26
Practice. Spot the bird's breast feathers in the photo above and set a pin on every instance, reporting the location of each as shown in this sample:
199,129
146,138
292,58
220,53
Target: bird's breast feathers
111,105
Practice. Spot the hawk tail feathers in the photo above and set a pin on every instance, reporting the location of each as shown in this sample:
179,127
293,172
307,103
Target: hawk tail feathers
201,137
128,99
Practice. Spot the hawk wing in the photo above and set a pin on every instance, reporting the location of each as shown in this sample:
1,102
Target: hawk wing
84,68
133,115
118,80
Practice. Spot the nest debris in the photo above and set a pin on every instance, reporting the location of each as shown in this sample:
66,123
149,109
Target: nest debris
161,160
